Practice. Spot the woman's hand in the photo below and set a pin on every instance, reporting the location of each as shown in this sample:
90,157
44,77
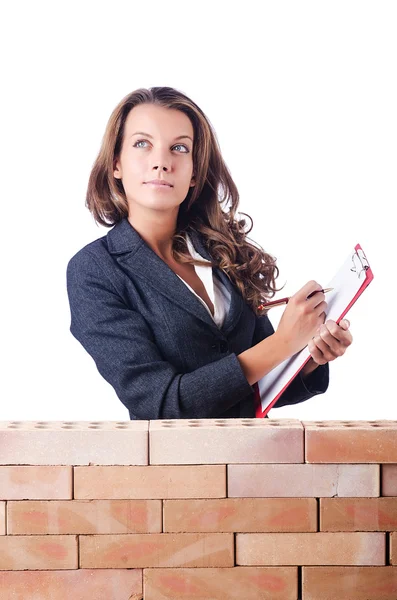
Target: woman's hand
330,341
302,317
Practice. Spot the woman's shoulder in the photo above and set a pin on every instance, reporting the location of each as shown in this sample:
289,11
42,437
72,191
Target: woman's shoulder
94,269
90,253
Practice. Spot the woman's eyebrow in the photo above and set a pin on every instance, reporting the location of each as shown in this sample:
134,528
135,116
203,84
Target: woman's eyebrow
150,136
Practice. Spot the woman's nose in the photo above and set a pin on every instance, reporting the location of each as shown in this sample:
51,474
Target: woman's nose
161,160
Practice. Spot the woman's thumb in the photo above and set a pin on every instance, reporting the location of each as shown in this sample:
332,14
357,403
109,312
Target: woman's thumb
345,324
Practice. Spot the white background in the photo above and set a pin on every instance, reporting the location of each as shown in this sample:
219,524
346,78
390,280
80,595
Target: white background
302,96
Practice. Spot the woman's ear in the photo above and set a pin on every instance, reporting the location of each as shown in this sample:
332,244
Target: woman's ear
117,169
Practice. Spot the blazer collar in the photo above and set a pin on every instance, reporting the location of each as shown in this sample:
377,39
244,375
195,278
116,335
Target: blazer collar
135,255
125,238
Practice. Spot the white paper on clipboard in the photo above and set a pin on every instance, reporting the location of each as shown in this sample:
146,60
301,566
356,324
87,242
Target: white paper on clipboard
348,284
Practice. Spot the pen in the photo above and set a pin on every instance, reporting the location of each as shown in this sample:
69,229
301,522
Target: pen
285,300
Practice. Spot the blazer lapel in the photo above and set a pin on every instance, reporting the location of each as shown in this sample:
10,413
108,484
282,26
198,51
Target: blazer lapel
236,301
133,253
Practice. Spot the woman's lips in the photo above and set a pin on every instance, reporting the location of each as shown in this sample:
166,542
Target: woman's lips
160,185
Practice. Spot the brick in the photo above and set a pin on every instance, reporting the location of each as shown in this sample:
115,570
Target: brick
85,516
389,480
310,549
350,441
150,482
358,514
352,583
245,515
302,480
157,550
393,548
248,583
79,584
74,442
35,483
221,441
2,518
38,552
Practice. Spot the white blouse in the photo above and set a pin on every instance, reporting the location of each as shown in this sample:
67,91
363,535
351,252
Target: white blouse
218,293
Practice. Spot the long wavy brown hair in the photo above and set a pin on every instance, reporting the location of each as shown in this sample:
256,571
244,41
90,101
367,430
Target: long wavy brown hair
209,207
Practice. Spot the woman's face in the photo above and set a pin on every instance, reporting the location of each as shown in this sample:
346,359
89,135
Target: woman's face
157,144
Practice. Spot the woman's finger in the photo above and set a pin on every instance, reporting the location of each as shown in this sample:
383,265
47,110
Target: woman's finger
337,344
329,346
339,333
345,324
316,353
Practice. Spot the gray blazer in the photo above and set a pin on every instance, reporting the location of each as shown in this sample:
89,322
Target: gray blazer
153,340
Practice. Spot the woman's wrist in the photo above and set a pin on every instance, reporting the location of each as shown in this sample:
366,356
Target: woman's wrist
309,367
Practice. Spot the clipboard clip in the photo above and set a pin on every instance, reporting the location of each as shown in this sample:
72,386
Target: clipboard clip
360,262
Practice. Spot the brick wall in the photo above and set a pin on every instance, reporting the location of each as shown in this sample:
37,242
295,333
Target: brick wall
200,509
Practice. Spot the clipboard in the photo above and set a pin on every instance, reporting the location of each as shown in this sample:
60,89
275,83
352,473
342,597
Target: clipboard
348,284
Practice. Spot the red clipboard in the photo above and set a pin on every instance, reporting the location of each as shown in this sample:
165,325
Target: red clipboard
349,283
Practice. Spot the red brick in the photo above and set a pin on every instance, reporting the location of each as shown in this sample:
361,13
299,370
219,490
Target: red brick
2,518
35,483
389,480
310,549
150,482
157,550
223,441
349,583
300,481
248,583
241,514
85,516
74,442
38,552
358,514
393,547
351,441
79,584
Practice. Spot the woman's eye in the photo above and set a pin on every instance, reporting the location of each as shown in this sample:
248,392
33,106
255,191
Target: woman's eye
183,146
138,142
177,145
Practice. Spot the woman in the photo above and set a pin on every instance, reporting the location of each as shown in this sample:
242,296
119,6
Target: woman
167,303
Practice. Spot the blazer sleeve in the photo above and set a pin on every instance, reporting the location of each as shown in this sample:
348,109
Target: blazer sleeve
299,389
122,344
